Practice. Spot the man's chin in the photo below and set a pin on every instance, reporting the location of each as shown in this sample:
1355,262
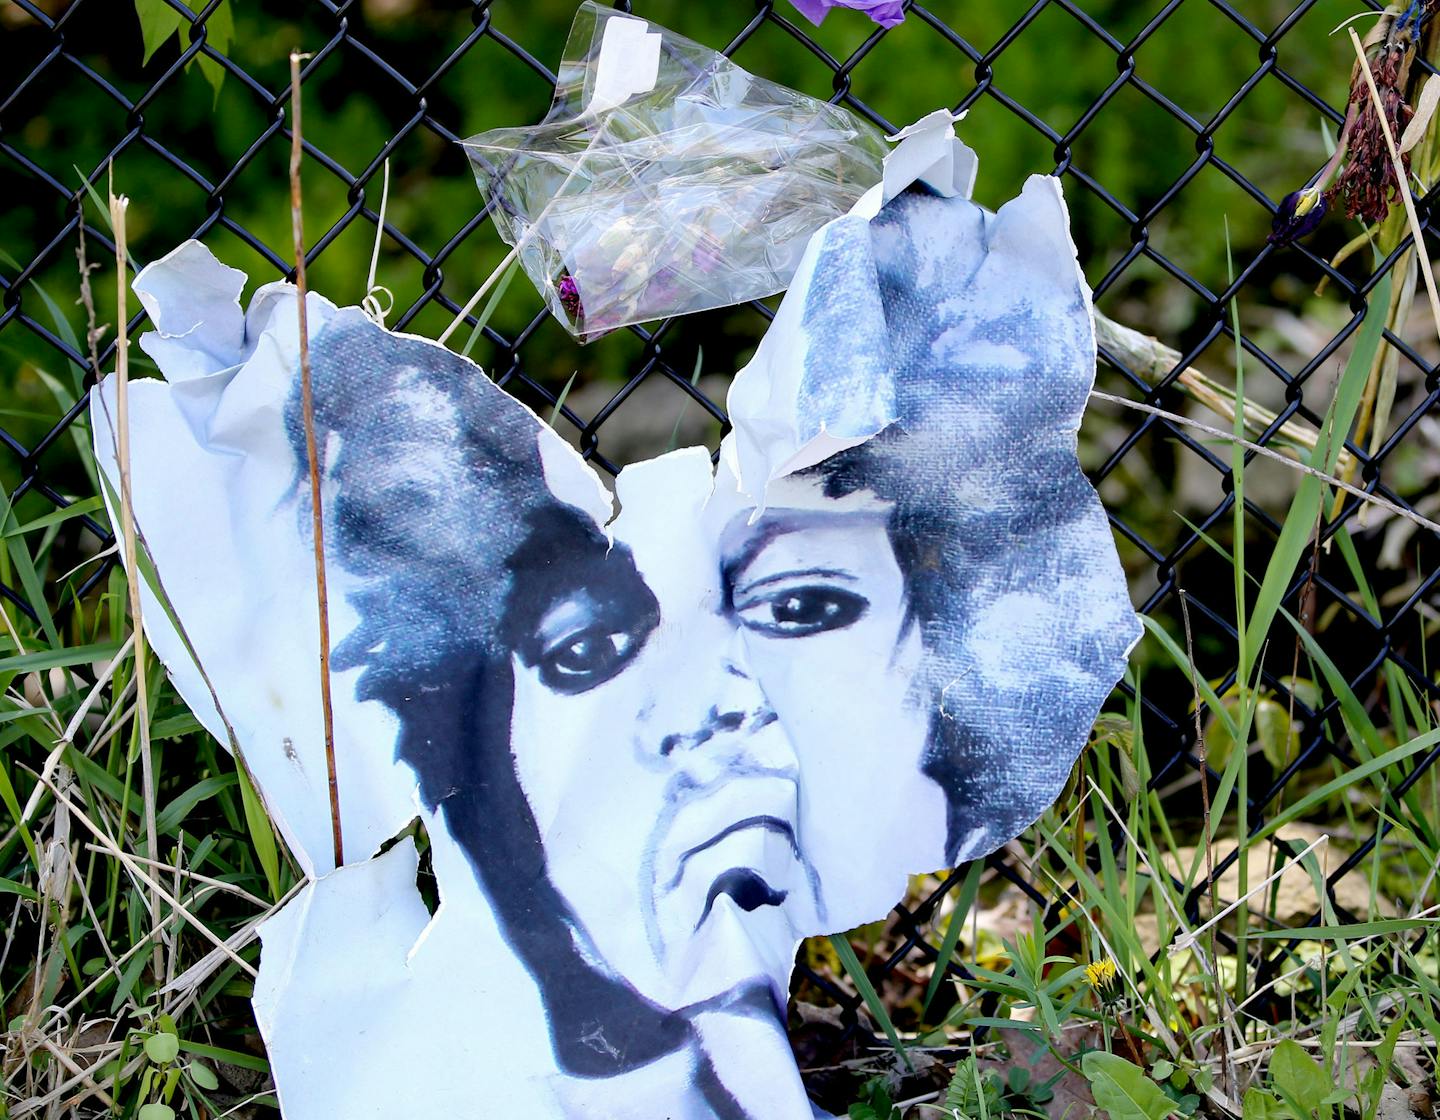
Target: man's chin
733,952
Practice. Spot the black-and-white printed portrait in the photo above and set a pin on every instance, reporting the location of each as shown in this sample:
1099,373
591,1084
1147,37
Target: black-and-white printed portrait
653,749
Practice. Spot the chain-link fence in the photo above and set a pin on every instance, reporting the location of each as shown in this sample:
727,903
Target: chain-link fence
1173,127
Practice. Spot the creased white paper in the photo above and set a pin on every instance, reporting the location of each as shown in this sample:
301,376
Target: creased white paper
653,750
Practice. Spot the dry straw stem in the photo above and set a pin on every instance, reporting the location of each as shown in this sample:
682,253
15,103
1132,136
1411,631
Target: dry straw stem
525,239
1270,453
1227,1078
1151,360
67,738
156,889
118,206
307,405
1189,939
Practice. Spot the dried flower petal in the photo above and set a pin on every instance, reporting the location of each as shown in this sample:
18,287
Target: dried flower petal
1368,182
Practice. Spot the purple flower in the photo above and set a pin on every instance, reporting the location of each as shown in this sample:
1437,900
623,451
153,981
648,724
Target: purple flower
1298,214
887,13
569,292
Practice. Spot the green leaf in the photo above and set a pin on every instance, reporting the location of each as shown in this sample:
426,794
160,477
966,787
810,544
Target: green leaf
1299,1076
158,22
175,727
203,1076
170,818
219,31
229,1057
1121,1088
162,1047
9,886
155,1112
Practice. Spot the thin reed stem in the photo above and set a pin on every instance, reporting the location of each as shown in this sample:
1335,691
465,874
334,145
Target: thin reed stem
312,458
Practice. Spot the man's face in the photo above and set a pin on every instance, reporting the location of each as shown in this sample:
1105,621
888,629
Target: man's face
713,788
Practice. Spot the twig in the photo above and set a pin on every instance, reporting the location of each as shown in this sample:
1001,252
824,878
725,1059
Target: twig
118,206
93,332
190,980
307,405
218,884
1269,453
85,1077
1202,753
1403,186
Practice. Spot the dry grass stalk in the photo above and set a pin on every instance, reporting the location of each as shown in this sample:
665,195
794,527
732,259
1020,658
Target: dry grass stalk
118,206
1152,360
307,405
1269,453
156,889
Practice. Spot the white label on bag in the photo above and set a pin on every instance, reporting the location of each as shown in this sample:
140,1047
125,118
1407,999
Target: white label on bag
628,63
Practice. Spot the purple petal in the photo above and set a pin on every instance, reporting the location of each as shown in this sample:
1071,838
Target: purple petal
887,13
813,10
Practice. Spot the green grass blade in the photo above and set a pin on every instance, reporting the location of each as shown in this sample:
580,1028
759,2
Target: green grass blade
1374,766
560,400
872,999
1350,932
1304,512
262,832
963,901
74,509
1177,655
490,305
59,658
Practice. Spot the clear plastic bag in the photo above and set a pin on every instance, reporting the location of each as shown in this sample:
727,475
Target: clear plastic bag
665,179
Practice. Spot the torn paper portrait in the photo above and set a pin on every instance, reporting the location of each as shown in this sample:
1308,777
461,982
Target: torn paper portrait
652,751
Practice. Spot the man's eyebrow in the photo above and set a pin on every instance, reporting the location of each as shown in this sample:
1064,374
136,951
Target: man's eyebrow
733,566
823,573
795,521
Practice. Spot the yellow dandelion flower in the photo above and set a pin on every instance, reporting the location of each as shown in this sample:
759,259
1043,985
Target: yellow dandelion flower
1104,977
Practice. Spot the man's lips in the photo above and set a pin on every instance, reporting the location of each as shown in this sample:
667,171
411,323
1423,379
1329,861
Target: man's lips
763,822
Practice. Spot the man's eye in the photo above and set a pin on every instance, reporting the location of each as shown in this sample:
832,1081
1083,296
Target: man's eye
798,612
582,660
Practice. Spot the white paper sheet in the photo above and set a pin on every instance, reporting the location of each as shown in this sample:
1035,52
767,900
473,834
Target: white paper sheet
652,752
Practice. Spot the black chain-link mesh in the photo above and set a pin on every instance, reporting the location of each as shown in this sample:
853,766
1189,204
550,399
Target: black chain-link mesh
1152,220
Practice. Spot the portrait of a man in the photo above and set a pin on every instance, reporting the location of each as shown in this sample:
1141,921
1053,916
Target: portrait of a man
654,749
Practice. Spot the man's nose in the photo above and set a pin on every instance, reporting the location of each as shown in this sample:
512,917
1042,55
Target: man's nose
721,714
